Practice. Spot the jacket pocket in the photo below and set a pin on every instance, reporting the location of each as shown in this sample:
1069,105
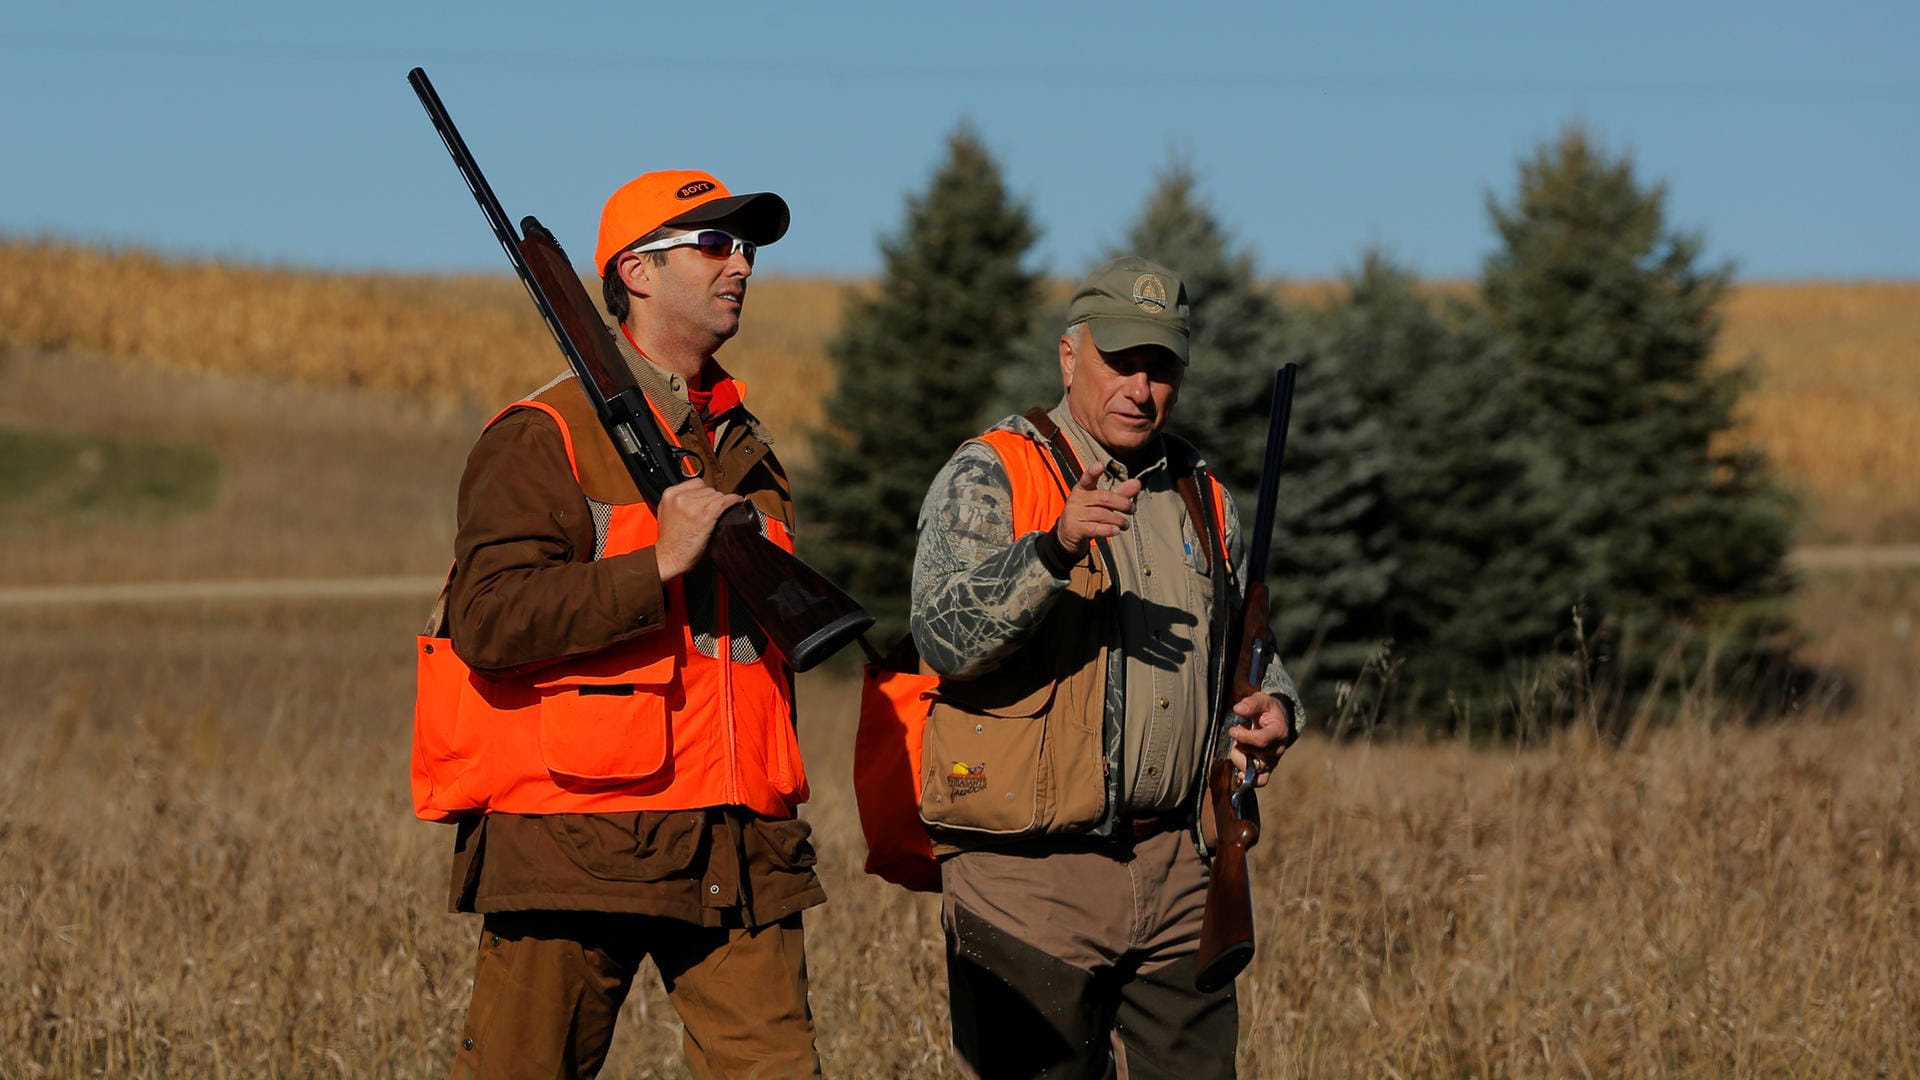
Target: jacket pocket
604,730
786,768
784,843
983,761
649,845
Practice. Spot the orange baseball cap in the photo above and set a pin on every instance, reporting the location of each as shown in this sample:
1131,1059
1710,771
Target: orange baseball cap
685,197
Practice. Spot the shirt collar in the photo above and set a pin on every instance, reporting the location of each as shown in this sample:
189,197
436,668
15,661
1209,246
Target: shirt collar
1094,456
668,391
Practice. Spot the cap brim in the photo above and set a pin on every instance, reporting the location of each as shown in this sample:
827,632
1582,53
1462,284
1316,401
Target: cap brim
1117,334
759,218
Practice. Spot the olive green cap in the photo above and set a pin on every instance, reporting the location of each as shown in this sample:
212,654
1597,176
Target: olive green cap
1131,302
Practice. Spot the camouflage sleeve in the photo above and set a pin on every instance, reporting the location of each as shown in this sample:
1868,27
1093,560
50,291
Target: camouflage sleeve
1277,682
978,591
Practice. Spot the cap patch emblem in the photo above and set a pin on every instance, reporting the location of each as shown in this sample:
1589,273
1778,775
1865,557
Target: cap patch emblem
1150,294
965,779
698,187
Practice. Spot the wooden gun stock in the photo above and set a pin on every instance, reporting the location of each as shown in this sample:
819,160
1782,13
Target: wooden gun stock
1226,932
807,617
1226,929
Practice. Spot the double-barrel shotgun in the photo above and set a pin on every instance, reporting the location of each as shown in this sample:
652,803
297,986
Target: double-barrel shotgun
1226,930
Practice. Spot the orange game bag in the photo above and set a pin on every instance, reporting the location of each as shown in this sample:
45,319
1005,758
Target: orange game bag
895,697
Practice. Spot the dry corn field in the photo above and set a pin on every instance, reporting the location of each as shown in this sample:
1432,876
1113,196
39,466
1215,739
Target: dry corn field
475,340
208,866
1839,362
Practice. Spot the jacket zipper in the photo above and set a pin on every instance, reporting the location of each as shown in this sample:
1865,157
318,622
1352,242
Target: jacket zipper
724,657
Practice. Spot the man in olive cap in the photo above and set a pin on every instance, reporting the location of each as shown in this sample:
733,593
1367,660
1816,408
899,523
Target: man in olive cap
1064,589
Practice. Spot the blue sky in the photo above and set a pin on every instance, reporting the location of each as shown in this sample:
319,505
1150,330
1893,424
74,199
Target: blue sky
1788,133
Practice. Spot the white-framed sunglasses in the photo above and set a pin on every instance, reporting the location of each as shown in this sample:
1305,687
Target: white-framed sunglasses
713,243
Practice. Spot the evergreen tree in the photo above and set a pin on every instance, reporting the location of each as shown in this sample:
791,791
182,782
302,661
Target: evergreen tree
1610,323
1452,518
915,363
1331,570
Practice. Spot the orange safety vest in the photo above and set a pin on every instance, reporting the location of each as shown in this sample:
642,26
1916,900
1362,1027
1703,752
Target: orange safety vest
1038,496
898,693
650,724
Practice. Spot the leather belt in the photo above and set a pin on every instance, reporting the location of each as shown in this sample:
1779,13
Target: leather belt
1146,826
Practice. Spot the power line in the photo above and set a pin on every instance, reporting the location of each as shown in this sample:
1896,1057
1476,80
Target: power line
1050,75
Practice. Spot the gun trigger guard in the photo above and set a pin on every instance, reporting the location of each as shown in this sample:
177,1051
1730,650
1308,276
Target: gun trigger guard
1249,776
689,464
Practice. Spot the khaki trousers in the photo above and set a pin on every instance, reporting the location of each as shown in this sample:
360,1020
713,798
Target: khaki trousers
548,986
1073,958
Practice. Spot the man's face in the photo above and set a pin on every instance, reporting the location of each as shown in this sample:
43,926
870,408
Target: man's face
696,298
1121,398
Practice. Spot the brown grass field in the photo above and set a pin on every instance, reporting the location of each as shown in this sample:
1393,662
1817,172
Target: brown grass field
208,866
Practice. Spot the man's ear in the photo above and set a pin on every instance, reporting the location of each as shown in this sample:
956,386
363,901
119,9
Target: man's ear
636,273
1066,361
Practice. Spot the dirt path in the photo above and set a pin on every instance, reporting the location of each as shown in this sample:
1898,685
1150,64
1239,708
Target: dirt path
1891,556
181,592
1883,557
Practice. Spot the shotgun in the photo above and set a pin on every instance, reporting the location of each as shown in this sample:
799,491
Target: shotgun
1226,930
807,617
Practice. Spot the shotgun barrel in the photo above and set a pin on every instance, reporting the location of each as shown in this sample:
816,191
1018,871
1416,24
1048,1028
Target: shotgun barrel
804,615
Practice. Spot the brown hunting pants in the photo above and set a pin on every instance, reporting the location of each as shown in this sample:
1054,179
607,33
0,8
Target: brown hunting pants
549,984
1076,959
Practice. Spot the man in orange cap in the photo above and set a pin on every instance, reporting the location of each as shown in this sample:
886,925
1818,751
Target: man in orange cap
637,793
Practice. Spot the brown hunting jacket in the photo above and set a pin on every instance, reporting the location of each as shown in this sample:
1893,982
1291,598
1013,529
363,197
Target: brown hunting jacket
528,590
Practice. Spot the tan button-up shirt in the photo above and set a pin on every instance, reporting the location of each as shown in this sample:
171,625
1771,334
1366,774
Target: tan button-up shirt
1164,597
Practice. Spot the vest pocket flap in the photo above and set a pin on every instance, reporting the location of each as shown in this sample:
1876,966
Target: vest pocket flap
996,697
983,773
607,730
